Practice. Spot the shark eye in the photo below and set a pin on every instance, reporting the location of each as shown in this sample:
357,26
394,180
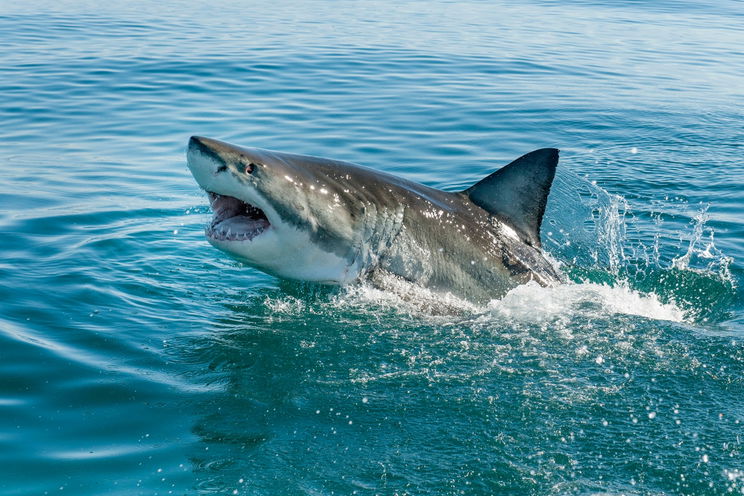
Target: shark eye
249,168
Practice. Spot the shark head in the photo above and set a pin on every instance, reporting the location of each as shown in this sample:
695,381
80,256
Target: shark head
287,215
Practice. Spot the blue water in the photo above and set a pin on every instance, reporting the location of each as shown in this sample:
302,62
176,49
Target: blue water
137,359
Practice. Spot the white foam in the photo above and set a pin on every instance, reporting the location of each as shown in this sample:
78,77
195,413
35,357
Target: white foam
529,302
534,302
399,295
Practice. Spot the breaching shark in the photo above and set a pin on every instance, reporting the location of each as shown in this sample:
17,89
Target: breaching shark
313,219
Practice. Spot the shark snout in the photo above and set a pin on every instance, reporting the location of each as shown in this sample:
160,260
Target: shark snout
220,154
207,146
196,141
202,142
205,161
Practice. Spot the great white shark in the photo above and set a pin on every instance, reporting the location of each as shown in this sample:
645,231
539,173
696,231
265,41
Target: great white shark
314,219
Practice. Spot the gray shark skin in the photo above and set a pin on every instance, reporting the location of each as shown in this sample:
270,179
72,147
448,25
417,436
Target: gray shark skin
333,222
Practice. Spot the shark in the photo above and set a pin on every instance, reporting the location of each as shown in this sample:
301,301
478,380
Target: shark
333,222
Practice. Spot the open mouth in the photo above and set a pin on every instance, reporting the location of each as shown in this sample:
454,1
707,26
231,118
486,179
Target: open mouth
235,220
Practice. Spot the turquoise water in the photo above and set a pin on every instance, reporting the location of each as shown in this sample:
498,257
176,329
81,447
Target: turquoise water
137,359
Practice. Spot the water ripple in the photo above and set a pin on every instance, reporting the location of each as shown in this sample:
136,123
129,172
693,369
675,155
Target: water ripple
136,359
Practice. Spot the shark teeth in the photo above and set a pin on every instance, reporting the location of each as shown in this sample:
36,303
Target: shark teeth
221,234
234,219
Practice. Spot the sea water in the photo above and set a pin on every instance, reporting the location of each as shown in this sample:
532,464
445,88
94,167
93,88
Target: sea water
137,359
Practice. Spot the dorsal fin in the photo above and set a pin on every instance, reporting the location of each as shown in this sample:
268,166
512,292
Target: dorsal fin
518,192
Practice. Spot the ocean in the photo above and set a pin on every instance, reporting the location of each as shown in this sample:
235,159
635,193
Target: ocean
136,359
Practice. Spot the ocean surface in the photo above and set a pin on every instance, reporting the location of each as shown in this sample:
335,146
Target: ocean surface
135,359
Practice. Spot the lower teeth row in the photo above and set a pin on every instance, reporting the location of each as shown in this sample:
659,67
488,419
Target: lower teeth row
228,234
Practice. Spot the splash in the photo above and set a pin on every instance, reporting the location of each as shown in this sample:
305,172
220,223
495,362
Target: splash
389,295
611,231
529,303
661,249
702,255
534,302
